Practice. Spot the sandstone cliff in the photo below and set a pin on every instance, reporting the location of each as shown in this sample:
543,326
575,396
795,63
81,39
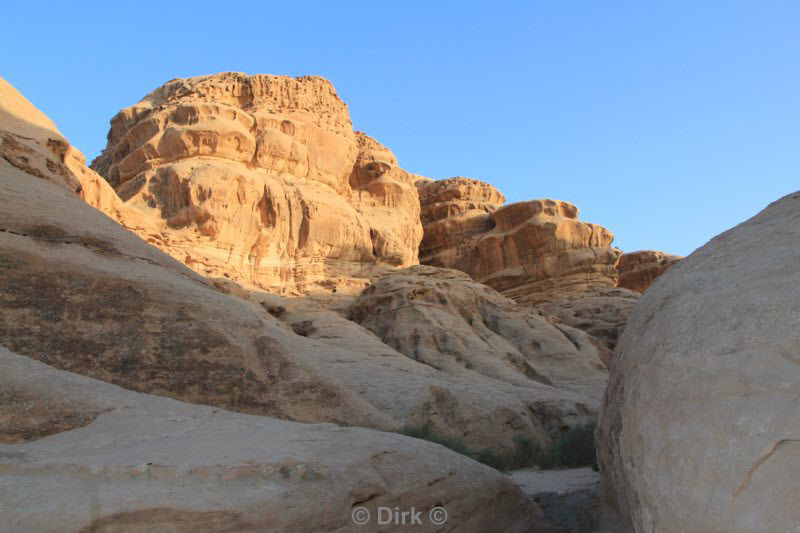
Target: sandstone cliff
537,253
529,251
700,429
262,179
81,293
637,270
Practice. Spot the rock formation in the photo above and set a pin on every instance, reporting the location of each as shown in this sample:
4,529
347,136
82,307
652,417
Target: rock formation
637,270
529,251
155,464
701,428
601,312
262,179
444,319
537,253
80,293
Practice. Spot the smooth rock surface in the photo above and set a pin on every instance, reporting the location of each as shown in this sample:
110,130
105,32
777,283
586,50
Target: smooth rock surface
700,429
138,462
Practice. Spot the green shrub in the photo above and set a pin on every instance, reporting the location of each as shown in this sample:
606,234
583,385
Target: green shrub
573,448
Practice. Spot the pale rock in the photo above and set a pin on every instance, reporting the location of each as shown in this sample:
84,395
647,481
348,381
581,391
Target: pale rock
90,456
700,429
444,319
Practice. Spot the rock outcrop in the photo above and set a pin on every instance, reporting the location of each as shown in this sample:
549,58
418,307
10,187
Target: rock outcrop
529,251
700,429
601,312
442,318
155,464
262,179
637,270
80,293
537,253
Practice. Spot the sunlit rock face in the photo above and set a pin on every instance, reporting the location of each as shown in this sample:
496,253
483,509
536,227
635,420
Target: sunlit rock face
530,251
262,179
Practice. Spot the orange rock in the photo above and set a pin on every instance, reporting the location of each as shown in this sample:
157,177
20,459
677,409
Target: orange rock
262,179
529,251
637,270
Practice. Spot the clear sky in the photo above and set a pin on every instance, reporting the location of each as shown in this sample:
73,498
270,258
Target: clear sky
666,122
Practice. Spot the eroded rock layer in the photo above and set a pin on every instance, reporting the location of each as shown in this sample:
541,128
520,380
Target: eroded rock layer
529,251
637,270
262,179
80,293
446,320
161,465
701,428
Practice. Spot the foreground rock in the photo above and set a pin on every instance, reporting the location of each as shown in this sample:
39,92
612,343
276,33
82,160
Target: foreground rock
80,293
638,270
159,464
701,427
529,251
262,179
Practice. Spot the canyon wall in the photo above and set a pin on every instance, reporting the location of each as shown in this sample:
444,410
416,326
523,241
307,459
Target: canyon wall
263,180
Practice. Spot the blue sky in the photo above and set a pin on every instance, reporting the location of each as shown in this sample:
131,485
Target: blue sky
666,122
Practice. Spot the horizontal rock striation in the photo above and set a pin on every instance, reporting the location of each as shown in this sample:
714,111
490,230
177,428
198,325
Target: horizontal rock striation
529,251
262,179
638,270
156,464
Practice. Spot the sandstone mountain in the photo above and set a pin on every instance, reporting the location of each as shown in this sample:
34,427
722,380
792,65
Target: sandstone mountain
700,429
638,270
156,464
82,294
262,179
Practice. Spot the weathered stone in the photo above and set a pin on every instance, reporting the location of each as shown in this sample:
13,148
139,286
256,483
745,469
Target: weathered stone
701,428
529,251
262,179
143,463
638,270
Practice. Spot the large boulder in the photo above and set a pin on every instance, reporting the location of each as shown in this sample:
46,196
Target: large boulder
700,429
262,179
77,454
638,270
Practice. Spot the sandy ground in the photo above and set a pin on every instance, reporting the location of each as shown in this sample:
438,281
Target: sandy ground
569,499
535,482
